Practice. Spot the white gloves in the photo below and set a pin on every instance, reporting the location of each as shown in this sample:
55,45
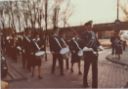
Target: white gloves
101,47
19,48
87,49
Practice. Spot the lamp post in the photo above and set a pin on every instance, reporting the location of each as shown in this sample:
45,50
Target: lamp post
46,23
117,22
56,13
117,9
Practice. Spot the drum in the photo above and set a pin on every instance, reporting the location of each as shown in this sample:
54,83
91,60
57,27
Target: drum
80,53
86,49
19,48
39,53
65,52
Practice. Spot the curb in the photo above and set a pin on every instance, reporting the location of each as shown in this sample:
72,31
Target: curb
117,62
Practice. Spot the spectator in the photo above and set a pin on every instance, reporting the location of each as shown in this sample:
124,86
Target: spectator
124,45
112,44
118,46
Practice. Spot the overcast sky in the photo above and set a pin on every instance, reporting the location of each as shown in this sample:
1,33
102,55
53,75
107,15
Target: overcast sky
100,11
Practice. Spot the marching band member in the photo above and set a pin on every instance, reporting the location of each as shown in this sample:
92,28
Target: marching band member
64,46
26,49
75,48
3,44
91,44
14,48
23,50
36,60
8,42
55,48
19,44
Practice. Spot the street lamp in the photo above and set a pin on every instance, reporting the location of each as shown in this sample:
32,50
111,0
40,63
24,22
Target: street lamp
117,9
117,21
56,13
46,24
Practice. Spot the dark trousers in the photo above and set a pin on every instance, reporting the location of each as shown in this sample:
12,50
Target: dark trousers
14,54
29,61
66,62
24,60
113,50
60,59
91,59
124,47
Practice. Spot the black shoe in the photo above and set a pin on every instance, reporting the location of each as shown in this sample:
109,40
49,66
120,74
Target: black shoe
85,86
126,86
29,69
40,77
32,75
15,61
67,68
23,67
71,70
62,74
52,72
80,73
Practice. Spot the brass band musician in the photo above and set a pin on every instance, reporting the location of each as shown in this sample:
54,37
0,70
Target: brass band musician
91,45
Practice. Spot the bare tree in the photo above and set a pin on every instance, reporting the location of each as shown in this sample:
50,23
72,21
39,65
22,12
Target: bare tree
66,13
124,8
18,15
2,19
62,12
35,13
55,16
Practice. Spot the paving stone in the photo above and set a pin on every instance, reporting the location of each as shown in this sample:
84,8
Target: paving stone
110,76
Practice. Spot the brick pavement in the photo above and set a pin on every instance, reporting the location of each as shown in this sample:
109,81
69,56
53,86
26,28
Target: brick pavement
123,61
110,76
